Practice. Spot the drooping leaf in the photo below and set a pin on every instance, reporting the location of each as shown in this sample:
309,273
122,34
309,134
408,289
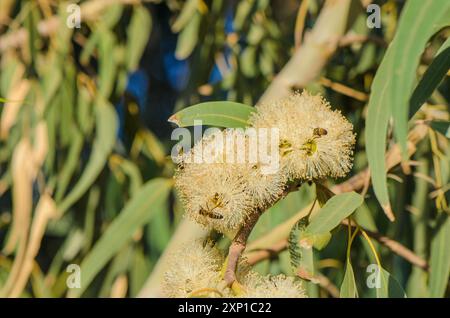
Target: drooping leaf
431,79
188,37
348,286
106,123
221,114
418,22
136,213
378,114
186,14
138,33
107,63
389,287
440,258
391,90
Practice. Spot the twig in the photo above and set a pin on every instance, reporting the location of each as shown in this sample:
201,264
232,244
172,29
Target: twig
351,38
259,255
238,246
343,89
327,285
240,240
300,22
396,247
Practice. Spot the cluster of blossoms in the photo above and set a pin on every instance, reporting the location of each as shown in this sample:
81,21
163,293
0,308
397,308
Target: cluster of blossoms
221,194
314,142
195,271
221,185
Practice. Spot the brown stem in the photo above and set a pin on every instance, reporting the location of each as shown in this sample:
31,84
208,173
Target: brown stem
238,246
240,240
327,285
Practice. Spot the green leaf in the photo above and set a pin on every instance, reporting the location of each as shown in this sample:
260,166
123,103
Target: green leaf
348,286
186,14
107,63
243,10
136,213
188,37
334,211
389,287
378,114
106,123
440,258
138,33
391,90
431,79
418,22
70,165
221,114
442,126
248,61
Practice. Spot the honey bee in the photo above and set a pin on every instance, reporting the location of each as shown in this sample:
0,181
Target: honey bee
318,132
209,212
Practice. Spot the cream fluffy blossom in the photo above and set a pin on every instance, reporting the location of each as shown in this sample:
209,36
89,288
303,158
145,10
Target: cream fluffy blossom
218,189
195,271
315,141
280,286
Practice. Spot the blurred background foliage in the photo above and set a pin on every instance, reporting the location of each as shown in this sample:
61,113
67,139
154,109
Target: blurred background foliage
85,172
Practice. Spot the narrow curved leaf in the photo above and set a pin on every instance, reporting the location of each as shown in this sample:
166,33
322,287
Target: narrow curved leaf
418,22
431,79
186,14
389,287
188,37
220,114
138,33
378,114
440,258
106,123
391,91
136,213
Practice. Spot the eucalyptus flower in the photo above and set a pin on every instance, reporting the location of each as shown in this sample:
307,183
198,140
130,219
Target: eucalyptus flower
194,271
219,183
315,141
280,286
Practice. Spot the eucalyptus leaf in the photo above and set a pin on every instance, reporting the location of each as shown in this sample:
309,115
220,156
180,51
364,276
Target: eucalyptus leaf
106,123
221,114
440,257
136,213
348,286
333,212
